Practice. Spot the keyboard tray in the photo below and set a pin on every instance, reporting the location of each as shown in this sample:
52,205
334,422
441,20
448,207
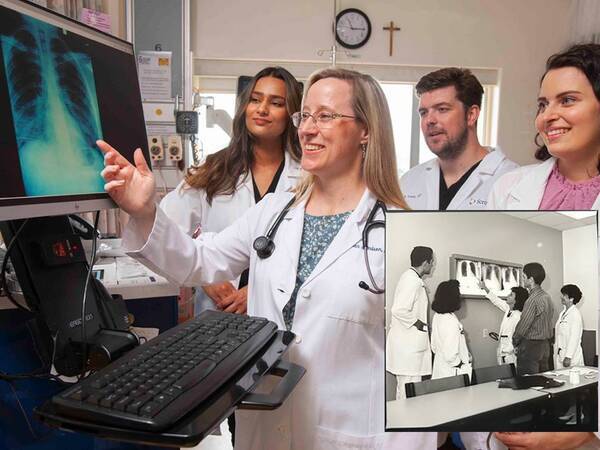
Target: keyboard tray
236,393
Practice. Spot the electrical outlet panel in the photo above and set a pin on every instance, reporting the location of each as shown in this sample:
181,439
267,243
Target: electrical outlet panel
174,148
155,146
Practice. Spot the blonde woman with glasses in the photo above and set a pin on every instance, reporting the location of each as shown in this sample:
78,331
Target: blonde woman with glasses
316,274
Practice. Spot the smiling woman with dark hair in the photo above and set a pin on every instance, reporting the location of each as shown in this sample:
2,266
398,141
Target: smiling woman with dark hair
263,156
568,121
448,342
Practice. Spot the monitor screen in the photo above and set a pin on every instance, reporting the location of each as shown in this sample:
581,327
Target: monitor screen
63,85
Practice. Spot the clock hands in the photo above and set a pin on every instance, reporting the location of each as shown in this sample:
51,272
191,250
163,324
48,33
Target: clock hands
350,27
353,28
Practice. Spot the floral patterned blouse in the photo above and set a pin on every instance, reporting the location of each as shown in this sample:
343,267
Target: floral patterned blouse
317,234
563,194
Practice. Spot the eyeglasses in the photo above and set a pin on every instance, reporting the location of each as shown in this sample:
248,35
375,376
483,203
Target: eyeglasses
322,120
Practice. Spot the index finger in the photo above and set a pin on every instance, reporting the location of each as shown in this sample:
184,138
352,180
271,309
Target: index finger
112,155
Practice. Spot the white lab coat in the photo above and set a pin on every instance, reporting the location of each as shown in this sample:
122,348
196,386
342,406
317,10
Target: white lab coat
407,348
568,331
421,184
507,329
339,404
189,208
524,188
449,346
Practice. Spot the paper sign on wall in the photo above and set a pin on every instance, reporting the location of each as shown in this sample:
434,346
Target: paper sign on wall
96,19
154,71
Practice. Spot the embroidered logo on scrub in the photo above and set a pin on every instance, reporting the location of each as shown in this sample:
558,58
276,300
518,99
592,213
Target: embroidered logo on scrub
359,246
478,202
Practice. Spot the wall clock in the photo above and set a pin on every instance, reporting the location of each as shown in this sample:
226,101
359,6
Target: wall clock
352,28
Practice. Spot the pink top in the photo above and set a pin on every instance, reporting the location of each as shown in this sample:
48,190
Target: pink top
562,194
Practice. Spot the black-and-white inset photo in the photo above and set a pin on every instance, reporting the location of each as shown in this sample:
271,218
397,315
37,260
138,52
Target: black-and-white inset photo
491,321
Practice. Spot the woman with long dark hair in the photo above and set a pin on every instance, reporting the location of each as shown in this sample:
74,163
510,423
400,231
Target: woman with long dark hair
263,156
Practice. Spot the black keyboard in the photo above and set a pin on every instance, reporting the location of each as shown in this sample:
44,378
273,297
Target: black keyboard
153,386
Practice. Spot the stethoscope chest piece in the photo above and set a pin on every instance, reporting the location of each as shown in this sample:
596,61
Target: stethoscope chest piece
264,246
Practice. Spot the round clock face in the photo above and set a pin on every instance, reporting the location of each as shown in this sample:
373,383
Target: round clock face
352,28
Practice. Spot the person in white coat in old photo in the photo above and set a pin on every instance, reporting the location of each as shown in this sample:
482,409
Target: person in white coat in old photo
511,308
408,353
310,284
568,330
263,156
448,343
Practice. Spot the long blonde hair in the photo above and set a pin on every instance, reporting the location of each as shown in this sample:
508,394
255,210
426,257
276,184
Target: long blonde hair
370,107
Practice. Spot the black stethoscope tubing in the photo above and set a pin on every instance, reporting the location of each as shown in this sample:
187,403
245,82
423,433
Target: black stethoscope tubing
371,223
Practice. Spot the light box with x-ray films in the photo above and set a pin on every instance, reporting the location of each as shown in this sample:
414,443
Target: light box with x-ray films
499,276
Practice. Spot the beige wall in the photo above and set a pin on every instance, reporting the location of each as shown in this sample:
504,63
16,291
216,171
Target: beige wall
512,36
581,268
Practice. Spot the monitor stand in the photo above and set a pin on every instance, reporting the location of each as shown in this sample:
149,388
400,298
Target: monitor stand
51,267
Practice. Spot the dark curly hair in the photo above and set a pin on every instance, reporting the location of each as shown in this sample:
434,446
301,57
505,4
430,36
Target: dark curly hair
447,297
572,291
521,295
586,58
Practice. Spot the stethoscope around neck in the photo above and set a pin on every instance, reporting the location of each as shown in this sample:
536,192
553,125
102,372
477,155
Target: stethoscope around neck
265,246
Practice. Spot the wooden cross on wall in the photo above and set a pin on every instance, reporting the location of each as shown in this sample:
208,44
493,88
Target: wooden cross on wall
391,28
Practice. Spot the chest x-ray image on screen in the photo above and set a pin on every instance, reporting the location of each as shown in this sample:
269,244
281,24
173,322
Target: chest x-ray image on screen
63,86
55,113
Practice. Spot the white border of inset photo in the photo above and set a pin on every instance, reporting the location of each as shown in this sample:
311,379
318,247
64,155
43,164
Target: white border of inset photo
470,365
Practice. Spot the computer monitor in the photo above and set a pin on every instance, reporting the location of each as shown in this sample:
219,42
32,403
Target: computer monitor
63,85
